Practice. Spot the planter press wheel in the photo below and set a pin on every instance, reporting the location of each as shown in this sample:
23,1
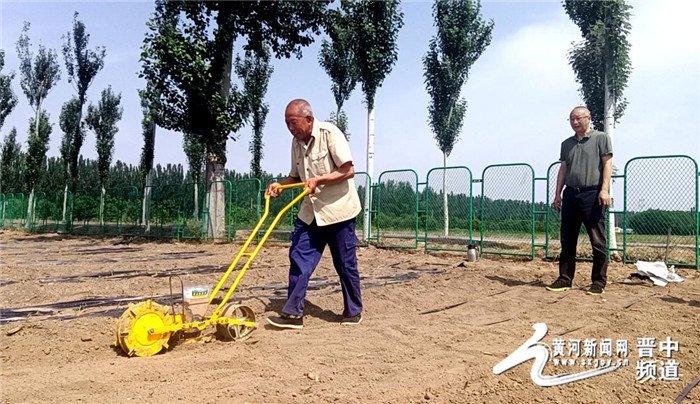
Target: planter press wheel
231,332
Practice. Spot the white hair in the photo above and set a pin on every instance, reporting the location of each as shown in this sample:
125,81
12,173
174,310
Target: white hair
302,107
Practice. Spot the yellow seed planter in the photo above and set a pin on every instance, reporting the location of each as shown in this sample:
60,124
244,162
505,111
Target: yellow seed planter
146,328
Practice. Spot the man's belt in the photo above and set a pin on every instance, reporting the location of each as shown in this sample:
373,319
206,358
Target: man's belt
583,189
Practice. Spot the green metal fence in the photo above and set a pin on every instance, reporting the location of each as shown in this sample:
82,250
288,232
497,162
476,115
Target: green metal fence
506,210
448,222
661,217
276,204
246,206
217,201
397,209
49,212
14,212
655,215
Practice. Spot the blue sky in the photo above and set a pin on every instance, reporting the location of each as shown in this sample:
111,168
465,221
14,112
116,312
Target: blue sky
519,92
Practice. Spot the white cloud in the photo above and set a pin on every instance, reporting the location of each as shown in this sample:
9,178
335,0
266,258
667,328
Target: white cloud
665,34
539,49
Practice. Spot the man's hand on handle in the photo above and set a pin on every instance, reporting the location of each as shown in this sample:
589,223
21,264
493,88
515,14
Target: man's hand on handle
273,189
312,184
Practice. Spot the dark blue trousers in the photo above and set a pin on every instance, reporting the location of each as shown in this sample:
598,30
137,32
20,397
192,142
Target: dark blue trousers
308,243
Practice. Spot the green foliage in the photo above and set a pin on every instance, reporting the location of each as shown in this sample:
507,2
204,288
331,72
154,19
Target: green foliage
340,120
603,55
195,156
255,71
38,73
462,36
10,164
660,222
82,65
8,100
337,57
51,177
188,54
103,121
70,122
37,145
375,26
148,127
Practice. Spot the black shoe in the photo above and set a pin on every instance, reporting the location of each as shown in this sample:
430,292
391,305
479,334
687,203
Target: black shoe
354,320
287,321
559,285
596,289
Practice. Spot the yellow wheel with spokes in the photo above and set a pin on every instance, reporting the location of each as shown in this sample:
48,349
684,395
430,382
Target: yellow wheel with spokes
135,328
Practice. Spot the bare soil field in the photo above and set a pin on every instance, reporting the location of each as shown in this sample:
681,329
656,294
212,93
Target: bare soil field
433,328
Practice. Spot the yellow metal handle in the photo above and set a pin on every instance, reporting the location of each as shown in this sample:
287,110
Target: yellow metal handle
288,186
244,248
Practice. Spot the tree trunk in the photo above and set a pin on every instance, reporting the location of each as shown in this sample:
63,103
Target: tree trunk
30,210
30,204
65,201
257,144
445,207
195,212
370,171
102,207
221,69
216,198
146,203
76,147
609,129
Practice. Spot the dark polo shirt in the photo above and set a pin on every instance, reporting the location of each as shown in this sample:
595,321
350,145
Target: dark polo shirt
584,165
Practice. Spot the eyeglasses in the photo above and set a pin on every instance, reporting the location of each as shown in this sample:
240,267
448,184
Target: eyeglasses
578,118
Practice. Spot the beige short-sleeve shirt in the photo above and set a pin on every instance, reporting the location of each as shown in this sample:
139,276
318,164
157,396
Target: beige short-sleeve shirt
326,151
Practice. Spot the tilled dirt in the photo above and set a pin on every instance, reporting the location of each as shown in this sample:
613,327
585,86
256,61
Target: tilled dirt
433,328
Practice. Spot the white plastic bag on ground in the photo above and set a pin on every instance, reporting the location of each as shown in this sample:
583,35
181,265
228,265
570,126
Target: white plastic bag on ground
658,272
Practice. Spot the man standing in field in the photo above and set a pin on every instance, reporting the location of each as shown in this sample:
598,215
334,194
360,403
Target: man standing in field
586,169
321,159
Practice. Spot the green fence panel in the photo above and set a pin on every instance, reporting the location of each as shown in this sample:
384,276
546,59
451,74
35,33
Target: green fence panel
167,206
122,211
246,207
86,212
15,210
3,201
286,223
48,212
221,203
506,210
152,223
363,183
661,210
448,204
397,201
